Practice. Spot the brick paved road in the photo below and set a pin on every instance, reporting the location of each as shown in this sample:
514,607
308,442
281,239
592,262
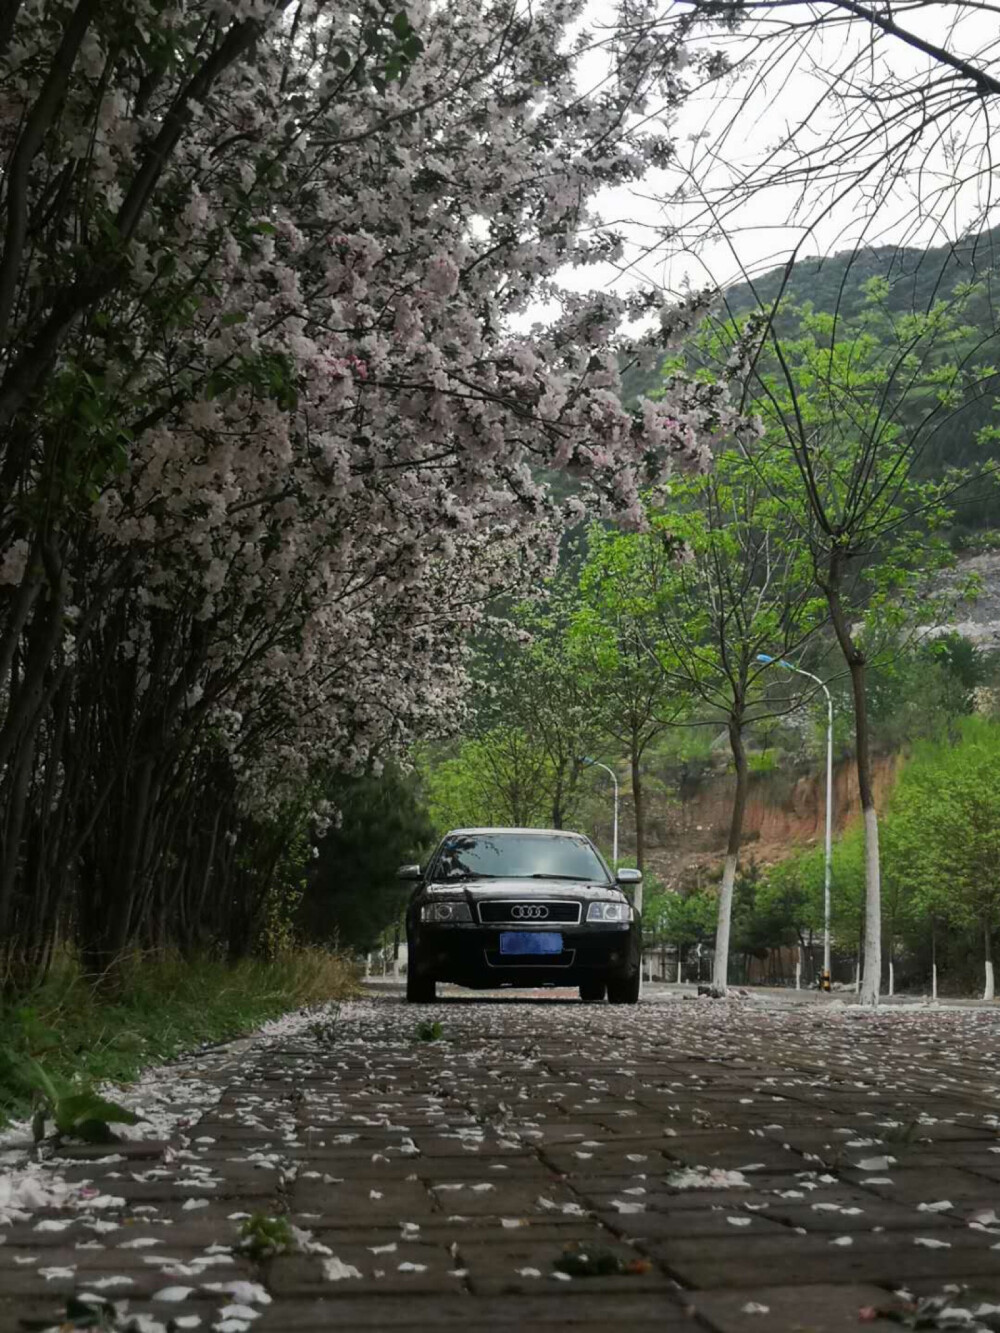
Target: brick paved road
759,1167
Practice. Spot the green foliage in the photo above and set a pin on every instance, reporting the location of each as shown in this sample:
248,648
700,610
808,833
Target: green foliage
945,822
282,843
536,712
776,906
853,407
75,1110
263,1236
351,891
82,1036
614,639
915,691
429,1031
940,853
765,761
502,776
906,280
684,918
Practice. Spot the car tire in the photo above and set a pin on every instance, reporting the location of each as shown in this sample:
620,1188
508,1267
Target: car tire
592,992
420,990
624,990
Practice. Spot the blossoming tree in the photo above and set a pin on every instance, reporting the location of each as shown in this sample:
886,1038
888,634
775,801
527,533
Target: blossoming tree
270,439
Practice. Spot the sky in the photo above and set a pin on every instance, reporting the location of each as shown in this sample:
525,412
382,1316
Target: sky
727,128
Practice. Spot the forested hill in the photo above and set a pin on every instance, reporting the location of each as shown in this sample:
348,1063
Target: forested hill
916,278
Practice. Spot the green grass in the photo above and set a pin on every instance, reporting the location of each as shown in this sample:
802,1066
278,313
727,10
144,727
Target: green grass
161,1005
762,761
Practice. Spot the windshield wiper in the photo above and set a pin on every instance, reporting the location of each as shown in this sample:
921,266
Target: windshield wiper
578,879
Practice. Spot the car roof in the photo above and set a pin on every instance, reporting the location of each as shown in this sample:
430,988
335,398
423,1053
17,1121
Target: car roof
541,832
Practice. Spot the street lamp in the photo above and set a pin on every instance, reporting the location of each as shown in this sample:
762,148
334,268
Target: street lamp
789,666
614,840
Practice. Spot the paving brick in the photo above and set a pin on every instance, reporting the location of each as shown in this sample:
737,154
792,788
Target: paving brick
436,1179
817,1309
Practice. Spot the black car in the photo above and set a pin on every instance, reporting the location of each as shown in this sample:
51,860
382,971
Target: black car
521,907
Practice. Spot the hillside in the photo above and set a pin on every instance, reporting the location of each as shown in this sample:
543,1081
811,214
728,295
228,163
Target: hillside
917,278
836,284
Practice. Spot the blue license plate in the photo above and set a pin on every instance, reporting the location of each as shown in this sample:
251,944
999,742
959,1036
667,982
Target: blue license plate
531,941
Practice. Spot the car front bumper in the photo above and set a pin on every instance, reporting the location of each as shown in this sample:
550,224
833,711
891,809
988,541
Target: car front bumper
469,955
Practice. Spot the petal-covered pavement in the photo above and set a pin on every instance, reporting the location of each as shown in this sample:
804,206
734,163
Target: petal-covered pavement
697,1164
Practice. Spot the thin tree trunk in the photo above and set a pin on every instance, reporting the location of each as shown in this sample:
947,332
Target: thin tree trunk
871,983
637,805
557,799
934,992
720,967
988,990
22,768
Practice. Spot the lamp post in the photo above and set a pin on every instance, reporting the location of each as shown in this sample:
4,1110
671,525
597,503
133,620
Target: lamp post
596,763
789,666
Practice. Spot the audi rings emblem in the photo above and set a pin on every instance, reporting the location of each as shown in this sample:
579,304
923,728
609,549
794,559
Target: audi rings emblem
529,912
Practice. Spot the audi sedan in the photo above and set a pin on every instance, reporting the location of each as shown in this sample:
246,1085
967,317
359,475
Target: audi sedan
497,907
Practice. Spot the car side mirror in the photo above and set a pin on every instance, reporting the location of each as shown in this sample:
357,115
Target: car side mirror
409,873
628,876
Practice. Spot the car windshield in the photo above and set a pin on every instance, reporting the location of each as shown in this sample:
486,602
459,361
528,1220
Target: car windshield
518,856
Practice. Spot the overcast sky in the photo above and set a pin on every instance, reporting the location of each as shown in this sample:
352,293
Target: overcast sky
723,128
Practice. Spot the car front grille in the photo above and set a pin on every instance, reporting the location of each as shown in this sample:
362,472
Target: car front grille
540,912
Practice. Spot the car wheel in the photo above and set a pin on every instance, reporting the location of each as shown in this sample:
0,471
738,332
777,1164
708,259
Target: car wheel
624,990
592,992
420,990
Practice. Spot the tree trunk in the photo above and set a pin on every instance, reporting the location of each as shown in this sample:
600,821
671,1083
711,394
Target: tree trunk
889,957
558,798
640,823
720,967
988,990
871,982
933,958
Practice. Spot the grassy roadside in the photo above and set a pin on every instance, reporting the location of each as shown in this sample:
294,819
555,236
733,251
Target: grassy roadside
163,1005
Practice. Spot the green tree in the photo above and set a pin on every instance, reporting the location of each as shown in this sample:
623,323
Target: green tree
688,919
947,810
351,890
529,679
630,698
852,415
709,588
779,904
499,777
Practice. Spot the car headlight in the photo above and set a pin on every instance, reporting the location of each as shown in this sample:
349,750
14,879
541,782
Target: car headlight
609,912
445,912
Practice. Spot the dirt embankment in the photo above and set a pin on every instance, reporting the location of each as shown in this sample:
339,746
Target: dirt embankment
689,816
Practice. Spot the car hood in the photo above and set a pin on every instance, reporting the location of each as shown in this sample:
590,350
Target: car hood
478,889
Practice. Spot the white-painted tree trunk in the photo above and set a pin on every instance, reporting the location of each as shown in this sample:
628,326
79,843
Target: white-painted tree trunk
934,981
988,991
871,982
720,967
798,974
892,977
857,974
